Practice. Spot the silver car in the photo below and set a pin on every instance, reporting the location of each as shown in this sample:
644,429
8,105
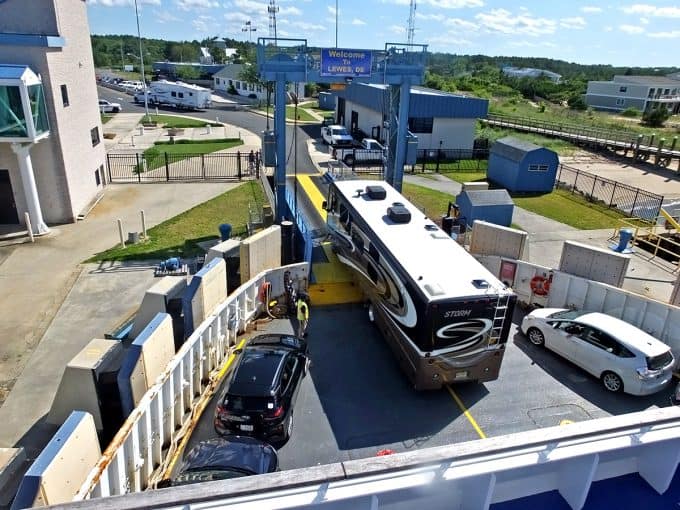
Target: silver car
622,356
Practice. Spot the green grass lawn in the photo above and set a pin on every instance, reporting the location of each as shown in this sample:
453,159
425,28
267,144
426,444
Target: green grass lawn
155,156
179,236
460,176
433,203
574,210
105,117
170,121
302,114
561,147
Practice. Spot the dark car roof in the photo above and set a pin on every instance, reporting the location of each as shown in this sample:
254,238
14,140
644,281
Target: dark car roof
280,340
239,453
257,371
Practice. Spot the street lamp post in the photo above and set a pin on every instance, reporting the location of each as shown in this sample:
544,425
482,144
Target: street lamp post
141,63
249,28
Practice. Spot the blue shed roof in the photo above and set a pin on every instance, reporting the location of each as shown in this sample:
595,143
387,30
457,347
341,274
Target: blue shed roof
424,102
513,149
489,197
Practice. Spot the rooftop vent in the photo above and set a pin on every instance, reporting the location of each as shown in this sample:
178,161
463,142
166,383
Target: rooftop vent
398,213
376,192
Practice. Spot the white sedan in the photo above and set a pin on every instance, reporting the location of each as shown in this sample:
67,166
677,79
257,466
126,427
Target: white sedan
622,356
109,107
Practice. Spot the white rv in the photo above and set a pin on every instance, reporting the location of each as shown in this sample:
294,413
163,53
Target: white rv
177,94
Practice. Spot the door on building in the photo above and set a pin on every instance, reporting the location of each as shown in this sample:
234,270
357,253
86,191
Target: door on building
341,111
8,209
354,122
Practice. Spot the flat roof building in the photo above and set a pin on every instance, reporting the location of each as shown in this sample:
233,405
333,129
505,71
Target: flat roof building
643,93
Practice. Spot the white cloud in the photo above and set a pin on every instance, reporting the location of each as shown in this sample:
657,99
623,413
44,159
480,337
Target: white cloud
447,40
357,21
461,24
652,10
397,29
441,4
504,22
433,17
527,44
675,34
631,29
575,23
644,21
302,25
164,16
331,10
188,5
122,3
591,9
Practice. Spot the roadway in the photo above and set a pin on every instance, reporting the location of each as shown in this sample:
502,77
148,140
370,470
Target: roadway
355,400
245,119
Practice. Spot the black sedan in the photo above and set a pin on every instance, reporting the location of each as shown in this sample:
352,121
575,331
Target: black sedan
262,388
224,458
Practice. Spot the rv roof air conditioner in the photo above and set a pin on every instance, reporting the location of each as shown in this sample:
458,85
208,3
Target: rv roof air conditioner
398,213
376,192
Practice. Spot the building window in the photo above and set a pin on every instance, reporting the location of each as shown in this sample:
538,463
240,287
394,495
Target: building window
623,89
420,124
538,168
173,93
97,178
94,135
620,102
180,94
64,95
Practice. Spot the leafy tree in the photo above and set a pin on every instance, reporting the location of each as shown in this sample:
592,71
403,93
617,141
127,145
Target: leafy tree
576,102
187,72
656,116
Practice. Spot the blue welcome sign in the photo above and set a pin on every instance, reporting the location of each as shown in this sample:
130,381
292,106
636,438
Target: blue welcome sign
346,62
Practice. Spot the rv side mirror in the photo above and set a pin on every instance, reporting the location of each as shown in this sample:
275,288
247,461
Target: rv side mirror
324,205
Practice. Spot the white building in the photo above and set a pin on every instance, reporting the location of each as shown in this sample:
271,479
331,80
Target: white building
530,72
51,147
228,80
640,92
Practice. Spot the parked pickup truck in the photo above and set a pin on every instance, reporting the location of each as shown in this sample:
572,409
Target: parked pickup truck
370,150
336,135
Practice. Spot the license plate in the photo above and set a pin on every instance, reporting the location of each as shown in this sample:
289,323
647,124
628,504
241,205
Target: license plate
461,375
247,428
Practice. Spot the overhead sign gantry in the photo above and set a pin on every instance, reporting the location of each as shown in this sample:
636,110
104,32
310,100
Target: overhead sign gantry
290,60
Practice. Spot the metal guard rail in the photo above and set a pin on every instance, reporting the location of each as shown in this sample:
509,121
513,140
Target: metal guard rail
142,443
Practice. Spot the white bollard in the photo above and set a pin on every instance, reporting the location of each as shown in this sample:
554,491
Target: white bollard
143,224
156,111
27,218
120,233
208,129
141,130
132,138
217,119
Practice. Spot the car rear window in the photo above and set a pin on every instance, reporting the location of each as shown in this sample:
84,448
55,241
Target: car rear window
239,404
660,361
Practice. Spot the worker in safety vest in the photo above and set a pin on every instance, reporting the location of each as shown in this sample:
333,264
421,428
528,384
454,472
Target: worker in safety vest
302,315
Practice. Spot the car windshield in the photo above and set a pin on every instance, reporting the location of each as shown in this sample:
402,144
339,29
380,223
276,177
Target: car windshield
210,473
567,314
340,131
660,361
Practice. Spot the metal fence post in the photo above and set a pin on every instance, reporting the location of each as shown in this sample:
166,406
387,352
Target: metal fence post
637,192
203,166
573,189
167,167
439,156
138,168
108,165
238,164
611,200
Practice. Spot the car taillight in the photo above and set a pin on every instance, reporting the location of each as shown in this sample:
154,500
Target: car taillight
221,411
274,413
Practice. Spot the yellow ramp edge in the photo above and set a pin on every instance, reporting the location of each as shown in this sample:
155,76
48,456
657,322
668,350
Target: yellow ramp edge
313,193
670,219
334,282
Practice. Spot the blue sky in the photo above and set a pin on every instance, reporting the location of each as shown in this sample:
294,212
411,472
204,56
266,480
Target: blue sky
587,32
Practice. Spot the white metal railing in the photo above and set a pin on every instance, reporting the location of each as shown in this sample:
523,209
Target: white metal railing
142,443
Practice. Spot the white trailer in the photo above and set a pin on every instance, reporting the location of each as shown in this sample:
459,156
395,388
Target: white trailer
177,94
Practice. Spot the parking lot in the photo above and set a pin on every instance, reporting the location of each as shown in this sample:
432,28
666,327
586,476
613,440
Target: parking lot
355,401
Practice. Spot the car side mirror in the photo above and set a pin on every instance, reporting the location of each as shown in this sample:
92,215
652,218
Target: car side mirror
238,351
324,205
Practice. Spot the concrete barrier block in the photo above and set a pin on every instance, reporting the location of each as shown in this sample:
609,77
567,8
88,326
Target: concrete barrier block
63,465
78,386
260,252
207,289
228,248
491,239
594,263
156,301
145,360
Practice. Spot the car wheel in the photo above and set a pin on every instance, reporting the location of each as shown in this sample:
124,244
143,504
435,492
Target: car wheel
612,382
536,337
116,110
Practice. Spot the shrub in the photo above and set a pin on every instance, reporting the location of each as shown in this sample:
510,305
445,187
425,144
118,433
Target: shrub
232,90
576,102
656,117
252,95
631,112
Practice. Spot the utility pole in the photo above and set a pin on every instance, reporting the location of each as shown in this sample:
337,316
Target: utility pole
336,23
141,63
272,9
410,31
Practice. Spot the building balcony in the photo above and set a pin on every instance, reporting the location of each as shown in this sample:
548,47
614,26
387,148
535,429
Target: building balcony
23,112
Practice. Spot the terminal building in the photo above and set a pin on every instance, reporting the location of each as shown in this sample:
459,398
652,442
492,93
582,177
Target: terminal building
51,148
440,120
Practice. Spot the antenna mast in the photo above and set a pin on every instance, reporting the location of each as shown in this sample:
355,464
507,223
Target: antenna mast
272,9
410,31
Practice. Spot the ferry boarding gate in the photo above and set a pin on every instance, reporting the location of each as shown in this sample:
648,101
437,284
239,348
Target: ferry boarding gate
290,60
